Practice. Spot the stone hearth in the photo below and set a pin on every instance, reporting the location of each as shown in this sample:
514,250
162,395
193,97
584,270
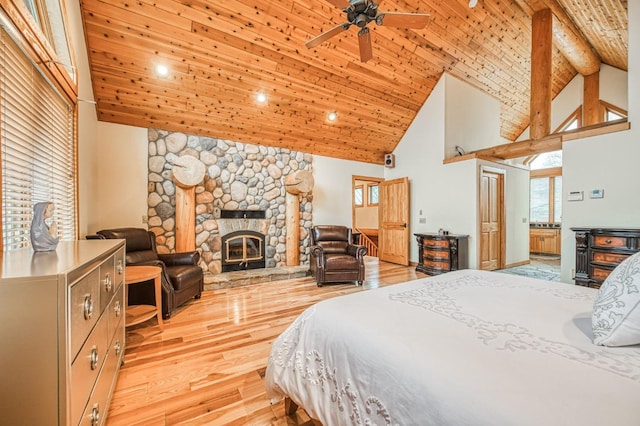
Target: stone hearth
253,276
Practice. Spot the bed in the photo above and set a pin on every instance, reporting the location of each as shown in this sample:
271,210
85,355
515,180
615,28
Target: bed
464,348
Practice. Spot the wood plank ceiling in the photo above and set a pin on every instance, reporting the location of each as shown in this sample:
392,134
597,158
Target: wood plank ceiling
221,53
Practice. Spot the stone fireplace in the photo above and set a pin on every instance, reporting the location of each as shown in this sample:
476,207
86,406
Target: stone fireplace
242,178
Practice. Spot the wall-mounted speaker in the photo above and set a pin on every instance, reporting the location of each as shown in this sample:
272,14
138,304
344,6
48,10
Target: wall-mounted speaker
389,160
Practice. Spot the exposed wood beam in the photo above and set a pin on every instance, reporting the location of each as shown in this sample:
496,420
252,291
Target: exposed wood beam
566,36
591,100
547,144
541,57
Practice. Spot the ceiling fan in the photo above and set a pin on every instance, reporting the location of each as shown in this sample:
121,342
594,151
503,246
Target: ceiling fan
360,13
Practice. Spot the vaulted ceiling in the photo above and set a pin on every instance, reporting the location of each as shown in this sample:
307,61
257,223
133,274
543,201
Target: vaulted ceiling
220,54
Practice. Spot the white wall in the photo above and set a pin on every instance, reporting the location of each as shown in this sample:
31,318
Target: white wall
447,195
122,176
87,122
332,188
472,118
614,87
608,162
516,195
444,196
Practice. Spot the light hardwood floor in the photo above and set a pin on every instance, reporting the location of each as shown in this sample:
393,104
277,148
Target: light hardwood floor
207,366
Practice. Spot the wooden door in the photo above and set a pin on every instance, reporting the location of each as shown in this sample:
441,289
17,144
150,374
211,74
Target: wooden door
491,219
393,210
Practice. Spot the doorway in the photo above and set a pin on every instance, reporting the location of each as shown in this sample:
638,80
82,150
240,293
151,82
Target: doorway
545,209
492,236
365,192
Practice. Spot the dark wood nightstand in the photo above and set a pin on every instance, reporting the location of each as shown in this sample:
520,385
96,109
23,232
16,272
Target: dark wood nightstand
438,254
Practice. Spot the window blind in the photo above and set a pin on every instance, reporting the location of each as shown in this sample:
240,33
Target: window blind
37,147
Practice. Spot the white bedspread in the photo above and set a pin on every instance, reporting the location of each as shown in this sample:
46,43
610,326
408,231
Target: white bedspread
463,348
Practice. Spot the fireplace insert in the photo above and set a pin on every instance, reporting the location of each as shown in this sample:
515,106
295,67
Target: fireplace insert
243,250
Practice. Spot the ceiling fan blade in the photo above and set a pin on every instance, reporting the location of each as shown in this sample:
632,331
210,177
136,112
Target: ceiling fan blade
364,41
340,4
403,20
327,35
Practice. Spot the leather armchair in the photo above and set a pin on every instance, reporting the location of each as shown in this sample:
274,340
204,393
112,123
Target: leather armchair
182,278
333,256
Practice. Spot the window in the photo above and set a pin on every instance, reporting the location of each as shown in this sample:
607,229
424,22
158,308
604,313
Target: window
547,160
612,112
557,199
546,199
37,147
373,195
48,16
357,196
539,201
545,196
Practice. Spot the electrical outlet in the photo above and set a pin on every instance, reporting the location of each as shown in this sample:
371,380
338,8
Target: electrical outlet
145,218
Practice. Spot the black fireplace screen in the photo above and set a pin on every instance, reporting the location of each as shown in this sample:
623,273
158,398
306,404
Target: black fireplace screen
243,250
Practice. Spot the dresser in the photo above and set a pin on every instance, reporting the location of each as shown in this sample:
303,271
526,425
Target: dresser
438,254
62,332
600,250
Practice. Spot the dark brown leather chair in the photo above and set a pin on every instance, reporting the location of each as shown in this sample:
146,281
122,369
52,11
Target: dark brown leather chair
333,256
182,278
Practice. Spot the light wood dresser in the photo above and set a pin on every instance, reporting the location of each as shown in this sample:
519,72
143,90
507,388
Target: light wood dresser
62,332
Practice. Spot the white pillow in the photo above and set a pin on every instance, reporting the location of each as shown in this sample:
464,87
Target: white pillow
616,312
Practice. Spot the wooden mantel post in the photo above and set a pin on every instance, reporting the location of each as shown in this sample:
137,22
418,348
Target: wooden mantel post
187,172
541,50
295,184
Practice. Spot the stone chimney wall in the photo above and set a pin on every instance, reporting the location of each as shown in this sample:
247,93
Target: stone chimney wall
238,176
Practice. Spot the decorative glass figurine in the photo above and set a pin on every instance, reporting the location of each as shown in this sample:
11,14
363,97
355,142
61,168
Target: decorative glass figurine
44,230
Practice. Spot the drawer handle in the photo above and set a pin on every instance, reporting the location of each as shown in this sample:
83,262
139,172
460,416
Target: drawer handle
95,414
120,267
607,241
117,308
94,358
117,347
107,282
88,307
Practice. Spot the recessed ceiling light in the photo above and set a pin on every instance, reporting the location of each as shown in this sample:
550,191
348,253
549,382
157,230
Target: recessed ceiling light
332,116
261,97
473,3
162,70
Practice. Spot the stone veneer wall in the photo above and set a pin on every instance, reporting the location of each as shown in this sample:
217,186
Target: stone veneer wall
239,177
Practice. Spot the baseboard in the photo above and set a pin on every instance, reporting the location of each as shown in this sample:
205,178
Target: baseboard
513,265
